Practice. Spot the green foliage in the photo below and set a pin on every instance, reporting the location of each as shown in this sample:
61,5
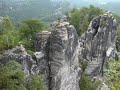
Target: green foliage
81,18
28,30
10,75
118,31
75,15
36,83
84,25
83,65
8,37
7,25
118,39
113,74
30,52
30,27
94,11
86,84
12,78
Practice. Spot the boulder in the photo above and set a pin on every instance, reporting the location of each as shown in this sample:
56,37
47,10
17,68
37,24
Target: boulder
104,87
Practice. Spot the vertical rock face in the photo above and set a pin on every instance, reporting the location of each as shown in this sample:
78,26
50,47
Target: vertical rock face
98,43
63,58
59,63
41,40
57,57
42,55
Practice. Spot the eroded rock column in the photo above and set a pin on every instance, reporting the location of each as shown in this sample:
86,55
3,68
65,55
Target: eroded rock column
63,58
96,43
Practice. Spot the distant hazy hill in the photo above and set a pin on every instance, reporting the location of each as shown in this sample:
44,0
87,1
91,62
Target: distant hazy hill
48,10
45,10
112,5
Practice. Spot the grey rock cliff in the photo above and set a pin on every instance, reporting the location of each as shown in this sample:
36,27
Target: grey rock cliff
42,55
41,40
60,51
63,58
98,43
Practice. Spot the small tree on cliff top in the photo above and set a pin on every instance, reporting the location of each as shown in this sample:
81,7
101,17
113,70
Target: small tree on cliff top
28,29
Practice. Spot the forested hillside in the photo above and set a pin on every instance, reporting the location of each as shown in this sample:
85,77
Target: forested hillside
45,10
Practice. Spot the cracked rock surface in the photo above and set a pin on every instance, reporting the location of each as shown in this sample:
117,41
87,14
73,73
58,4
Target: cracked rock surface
96,43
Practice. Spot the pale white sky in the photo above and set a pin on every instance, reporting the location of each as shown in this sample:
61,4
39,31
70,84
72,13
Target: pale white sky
95,0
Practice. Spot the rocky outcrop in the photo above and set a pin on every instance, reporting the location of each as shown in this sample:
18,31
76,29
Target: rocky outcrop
59,51
59,62
104,87
98,43
41,40
63,58
20,55
42,55
56,58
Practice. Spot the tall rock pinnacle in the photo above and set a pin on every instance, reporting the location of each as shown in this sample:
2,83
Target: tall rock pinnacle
99,43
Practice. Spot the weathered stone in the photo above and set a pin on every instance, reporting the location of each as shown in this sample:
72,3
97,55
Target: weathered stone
95,43
57,59
104,87
20,55
41,40
63,58
41,59
57,52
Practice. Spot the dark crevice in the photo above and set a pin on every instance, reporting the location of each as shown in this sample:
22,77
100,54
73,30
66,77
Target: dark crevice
94,34
103,63
95,26
49,67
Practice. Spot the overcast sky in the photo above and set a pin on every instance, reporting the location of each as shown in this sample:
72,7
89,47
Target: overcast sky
110,0
95,0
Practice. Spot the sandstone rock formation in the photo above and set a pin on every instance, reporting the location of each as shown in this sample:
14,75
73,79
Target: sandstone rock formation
63,58
95,44
60,57
56,58
42,55
20,55
59,52
41,40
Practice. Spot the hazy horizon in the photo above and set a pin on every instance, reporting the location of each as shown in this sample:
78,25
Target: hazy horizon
91,0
